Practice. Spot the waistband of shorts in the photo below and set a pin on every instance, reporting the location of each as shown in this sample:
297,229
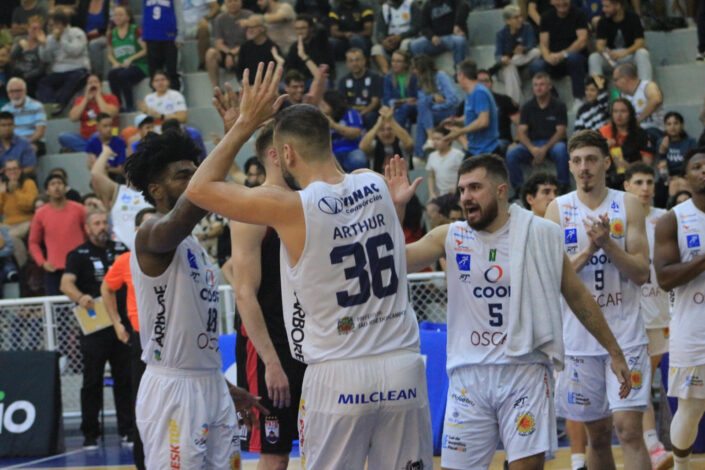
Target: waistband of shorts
372,357
174,372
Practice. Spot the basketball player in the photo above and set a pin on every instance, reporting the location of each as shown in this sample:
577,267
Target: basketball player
680,267
514,402
639,180
122,201
266,366
344,287
185,414
605,239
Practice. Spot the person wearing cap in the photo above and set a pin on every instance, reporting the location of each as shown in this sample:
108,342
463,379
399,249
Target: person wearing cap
58,227
144,124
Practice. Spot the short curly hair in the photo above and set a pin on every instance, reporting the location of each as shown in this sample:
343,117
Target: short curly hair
154,154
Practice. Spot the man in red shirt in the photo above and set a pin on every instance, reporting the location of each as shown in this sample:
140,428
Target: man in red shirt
86,109
57,228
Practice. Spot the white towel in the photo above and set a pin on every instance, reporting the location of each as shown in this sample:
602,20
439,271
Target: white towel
536,271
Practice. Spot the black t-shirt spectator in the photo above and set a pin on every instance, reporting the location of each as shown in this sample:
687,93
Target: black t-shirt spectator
562,32
623,34
358,91
251,55
438,17
89,263
351,17
542,122
318,49
542,6
506,108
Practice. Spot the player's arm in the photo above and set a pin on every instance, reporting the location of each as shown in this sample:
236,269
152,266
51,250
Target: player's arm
580,259
633,260
105,188
263,205
428,250
588,312
670,271
246,276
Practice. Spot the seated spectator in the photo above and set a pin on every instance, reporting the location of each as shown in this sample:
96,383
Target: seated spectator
17,195
13,147
144,125
386,139
197,17
674,145
361,87
104,137
192,132
5,73
480,125
401,89
351,26
515,47
444,27
538,192
21,15
645,97
346,128
30,118
86,109
626,140
563,38
316,48
160,34
594,113
279,18
257,48
56,229
442,165
294,87
66,55
229,36
71,194
93,17
26,63
126,53
397,22
541,134
507,111
164,103
436,100
620,39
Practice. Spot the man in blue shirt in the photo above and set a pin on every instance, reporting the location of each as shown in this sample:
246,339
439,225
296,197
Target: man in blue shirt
13,147
30,117
104,136
481,122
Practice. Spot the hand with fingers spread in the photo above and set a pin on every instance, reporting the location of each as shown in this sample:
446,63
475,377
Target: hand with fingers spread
227,104
277,385
396,175
260,100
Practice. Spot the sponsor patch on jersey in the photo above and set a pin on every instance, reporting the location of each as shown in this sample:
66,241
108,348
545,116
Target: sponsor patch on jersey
577,398
493,255
201,436
330,205
271,429
454,443
571,236
617,228
693,241
346,325
192,263
614,206
637,379
494,273
526,424
463,262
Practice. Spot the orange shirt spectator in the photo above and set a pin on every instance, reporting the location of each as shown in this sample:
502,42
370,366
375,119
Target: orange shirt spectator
17,204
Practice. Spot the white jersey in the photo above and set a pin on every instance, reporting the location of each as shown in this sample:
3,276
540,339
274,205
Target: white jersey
687,341
178,310
616,295
639,101
478,297
654,300
347,295
128,203
398,19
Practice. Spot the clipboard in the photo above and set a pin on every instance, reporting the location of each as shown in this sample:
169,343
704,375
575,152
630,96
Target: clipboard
93,320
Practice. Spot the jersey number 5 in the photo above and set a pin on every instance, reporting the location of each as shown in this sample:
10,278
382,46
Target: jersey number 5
378,265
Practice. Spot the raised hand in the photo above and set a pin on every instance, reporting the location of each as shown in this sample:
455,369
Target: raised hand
227,104
260,100
396,175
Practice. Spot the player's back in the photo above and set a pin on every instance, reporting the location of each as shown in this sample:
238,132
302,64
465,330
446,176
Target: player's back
347,295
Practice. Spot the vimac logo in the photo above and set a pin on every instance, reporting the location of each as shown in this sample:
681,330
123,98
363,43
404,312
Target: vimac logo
16,410
330,205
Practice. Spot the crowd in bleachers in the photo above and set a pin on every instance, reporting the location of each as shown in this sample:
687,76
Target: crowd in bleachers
400,76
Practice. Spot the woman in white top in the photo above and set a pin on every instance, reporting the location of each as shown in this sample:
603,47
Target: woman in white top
164,103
